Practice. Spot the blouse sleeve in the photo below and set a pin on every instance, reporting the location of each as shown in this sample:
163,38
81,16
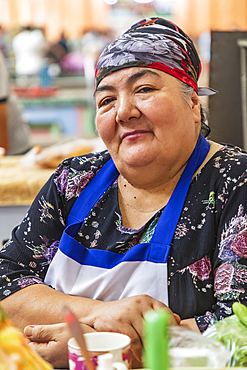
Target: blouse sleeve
24,259
230,257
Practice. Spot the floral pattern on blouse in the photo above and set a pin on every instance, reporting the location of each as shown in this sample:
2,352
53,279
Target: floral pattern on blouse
201,269
207,266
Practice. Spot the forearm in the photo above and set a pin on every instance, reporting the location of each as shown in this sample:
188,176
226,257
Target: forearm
39,304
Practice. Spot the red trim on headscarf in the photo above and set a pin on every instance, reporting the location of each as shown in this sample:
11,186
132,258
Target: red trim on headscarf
178,73
176,27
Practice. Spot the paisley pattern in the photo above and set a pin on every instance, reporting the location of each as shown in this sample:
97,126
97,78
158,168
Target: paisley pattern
155,43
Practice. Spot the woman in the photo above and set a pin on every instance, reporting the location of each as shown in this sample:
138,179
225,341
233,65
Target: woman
157,221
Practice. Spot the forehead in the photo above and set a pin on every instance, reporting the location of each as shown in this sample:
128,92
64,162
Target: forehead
133,74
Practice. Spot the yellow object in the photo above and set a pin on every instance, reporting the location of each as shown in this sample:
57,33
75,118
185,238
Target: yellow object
15,354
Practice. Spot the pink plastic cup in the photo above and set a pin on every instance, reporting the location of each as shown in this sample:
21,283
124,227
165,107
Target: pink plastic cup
99,343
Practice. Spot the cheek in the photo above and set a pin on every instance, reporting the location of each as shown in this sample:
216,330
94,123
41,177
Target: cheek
98,122
105,125
162,114
161,105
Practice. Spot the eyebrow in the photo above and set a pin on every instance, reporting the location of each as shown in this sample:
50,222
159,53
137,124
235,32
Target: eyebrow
104,88
130,80
137,75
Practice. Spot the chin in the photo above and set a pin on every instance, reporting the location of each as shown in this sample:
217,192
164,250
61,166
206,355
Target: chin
136,163
138,158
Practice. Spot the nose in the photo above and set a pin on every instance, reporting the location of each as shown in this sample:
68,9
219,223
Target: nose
127,109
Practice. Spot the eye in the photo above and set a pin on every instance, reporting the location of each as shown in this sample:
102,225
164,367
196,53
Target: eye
145,89
105,101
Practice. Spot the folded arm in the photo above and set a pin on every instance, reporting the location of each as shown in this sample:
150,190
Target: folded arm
41,305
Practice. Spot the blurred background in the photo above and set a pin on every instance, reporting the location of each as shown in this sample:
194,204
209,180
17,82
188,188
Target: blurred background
51,47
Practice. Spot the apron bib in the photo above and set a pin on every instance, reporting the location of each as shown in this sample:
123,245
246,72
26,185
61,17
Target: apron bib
106,275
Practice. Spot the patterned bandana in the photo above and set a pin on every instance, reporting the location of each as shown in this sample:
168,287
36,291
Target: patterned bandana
154,43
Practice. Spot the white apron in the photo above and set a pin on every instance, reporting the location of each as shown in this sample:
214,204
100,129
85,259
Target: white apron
106,275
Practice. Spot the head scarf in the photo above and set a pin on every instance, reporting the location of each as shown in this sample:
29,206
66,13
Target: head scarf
155,43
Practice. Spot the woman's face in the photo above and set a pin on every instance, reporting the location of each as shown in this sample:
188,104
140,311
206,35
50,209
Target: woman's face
144,120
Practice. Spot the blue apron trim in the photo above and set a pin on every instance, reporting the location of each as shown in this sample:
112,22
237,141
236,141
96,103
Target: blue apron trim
168,220
93,191
158,248
106,259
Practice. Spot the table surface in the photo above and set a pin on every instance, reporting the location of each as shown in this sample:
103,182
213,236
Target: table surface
19,184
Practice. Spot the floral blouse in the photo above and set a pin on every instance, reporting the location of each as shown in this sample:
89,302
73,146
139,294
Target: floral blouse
207,269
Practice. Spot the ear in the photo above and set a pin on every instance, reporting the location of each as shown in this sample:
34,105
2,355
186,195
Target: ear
196,107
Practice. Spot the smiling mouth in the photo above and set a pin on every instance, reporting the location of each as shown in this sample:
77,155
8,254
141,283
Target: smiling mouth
134,134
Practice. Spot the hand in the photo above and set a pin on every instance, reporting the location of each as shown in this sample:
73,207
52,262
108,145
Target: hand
126,316
190,324
50,342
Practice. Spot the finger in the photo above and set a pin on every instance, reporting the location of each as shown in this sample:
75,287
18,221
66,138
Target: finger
40,348
136,335
87,329
137,325
177,318
136,364
157,305
53,352
136,342
44,350
137,347
38,333
137,322
174,319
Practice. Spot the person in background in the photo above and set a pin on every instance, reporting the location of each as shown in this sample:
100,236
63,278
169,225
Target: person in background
29,47
156,221
14,131
57,51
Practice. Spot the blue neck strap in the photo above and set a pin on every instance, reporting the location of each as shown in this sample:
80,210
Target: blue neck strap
169,218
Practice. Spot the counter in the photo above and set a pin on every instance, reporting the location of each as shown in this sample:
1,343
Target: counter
18,188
